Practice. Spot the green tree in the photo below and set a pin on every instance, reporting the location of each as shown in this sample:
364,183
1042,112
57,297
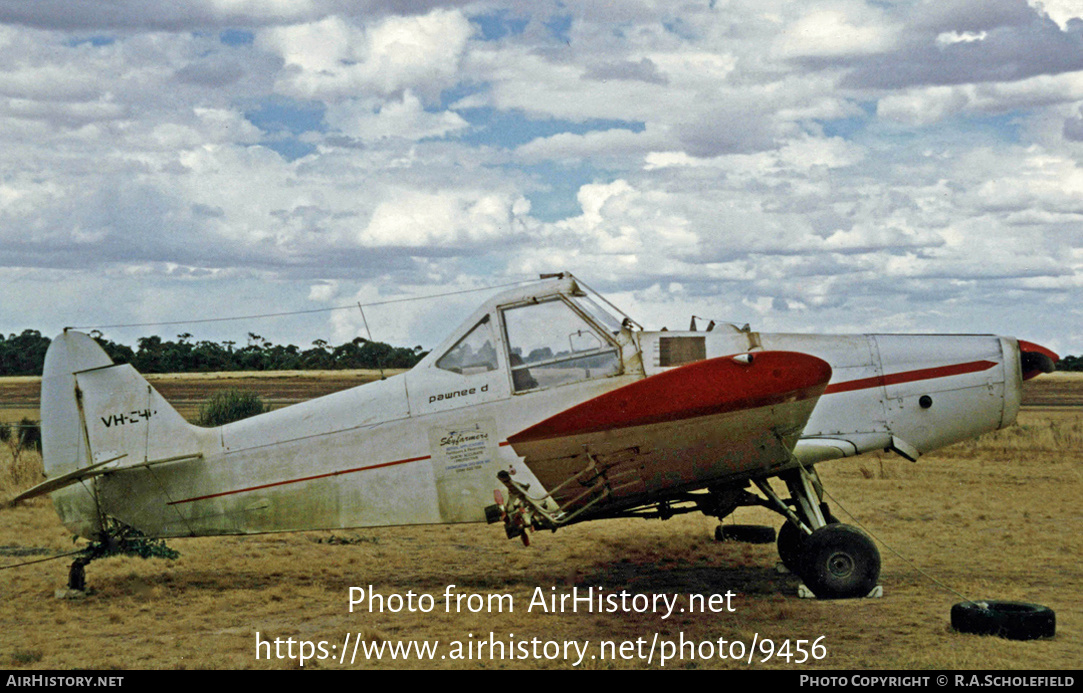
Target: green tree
23,354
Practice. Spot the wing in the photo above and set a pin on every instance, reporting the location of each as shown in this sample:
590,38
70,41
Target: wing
675,431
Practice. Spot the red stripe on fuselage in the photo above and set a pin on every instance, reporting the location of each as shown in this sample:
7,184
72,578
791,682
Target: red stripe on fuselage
297,481
909,376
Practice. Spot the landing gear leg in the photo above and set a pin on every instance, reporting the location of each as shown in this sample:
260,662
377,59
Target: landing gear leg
835,561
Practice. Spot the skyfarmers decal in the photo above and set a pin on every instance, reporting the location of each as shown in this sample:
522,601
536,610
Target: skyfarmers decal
464,460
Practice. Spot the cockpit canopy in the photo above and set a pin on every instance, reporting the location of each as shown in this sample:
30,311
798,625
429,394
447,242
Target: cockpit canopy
551,336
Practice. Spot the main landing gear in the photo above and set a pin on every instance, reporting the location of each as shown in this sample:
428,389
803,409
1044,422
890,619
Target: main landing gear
835,561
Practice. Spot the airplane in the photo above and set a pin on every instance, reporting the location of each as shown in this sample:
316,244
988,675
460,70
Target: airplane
547,407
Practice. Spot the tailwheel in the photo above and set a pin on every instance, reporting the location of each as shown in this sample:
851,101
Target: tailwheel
839,562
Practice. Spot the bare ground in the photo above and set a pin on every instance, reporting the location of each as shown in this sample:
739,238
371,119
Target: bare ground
993,519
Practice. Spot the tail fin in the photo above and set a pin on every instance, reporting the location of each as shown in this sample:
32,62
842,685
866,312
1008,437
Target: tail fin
96,418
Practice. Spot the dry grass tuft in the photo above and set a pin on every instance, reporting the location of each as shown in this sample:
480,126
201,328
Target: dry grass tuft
20,471
1058,430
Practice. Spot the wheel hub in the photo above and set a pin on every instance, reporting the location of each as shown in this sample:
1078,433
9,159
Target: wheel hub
840,565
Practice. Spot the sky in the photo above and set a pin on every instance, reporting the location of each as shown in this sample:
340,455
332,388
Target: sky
816,166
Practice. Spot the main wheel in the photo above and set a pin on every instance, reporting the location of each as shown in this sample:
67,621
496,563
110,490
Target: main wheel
839,562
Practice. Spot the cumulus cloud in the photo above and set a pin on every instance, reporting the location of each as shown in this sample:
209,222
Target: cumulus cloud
374,119
435,222
644,71
832,33
1073,127
334,58
1060,11
612,145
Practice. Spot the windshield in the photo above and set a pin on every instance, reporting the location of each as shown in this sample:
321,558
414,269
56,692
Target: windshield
597,313
550,344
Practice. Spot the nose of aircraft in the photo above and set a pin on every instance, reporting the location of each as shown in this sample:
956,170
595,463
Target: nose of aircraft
1036,359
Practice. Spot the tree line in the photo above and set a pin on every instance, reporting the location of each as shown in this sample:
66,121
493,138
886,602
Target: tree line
1070,363
24,354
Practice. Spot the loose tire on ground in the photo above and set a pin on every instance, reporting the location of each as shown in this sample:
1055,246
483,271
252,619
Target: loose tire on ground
839,562
749,534
1011,620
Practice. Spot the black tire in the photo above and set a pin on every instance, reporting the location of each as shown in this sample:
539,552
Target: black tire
791,540
791,544
1011,620
749,534
839,562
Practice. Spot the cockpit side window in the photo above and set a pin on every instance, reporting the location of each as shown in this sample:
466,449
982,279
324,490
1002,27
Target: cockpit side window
550,344
474,353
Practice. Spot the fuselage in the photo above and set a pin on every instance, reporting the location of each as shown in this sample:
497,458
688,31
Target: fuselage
427,446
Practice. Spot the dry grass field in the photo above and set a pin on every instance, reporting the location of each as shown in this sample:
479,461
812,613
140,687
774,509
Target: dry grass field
997,518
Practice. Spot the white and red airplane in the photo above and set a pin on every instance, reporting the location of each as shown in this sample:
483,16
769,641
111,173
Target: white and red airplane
547,403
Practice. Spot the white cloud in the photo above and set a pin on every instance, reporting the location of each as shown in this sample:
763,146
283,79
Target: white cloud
323,292
1037,181
615,144
928,105
834,33
374,119
923,106
1061,11
949,37
333,58
445,219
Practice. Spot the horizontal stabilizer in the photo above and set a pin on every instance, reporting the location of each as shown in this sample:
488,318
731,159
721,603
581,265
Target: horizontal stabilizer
72,477
108,466
99,419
